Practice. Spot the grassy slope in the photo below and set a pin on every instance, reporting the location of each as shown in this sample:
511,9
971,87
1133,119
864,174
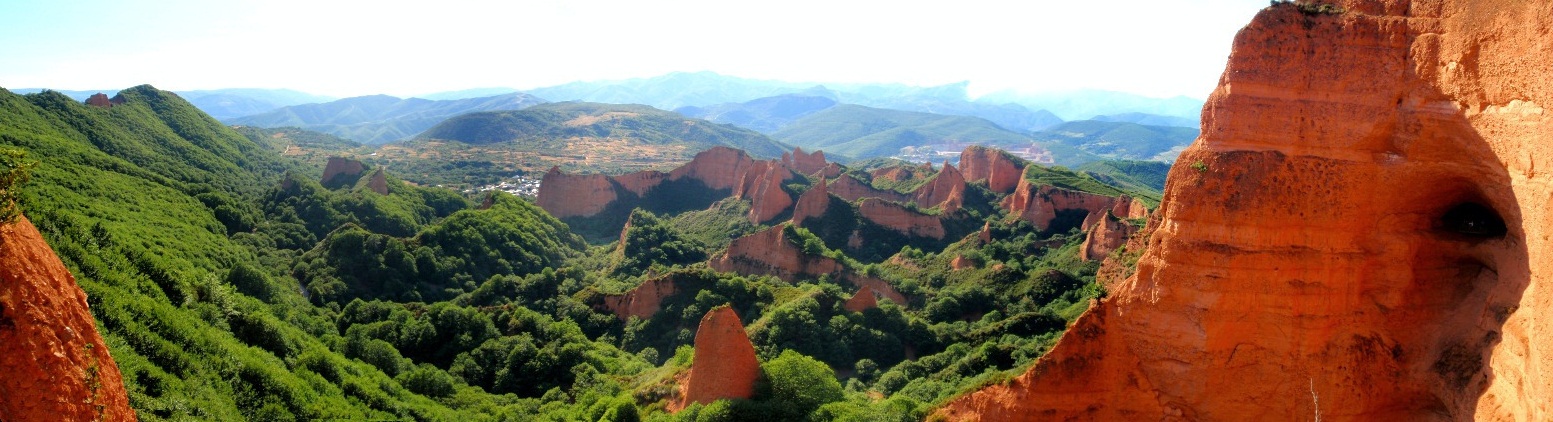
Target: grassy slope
549,126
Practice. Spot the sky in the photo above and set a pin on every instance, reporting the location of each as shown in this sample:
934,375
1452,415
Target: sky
1160,48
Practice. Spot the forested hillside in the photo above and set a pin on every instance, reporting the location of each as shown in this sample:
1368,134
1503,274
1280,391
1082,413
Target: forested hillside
233,282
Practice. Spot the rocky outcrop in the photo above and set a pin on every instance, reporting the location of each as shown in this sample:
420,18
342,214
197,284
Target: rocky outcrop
849,188
813,203
864,299
1040,204
55,365
769,252
900,219
724,366
1363,231
643,301
379,182
564,195
1104,236
719,168
999,169
945,192
804,163
341,171
877,286
960,262
99,100
639,183
763,188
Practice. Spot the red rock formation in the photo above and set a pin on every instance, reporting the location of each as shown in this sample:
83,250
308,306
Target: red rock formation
1130,208
1322,262
643,301
718,168
986,232
764,190
640,182
724,366
379,182
563,195
1039,204
900,219
804,163
862,300
878,287
341,169
851,189
961,263
946,191
99,100
813,203
55,365
1001,171
830,171
1105,236
769,252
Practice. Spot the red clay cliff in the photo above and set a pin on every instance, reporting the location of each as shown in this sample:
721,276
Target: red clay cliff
724,366
55,366
1362,232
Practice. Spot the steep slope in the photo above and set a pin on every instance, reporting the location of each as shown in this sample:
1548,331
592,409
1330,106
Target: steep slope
379,119
725,365
555,125
1365,237
56,365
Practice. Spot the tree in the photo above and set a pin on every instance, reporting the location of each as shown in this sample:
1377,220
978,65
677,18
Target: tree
15,169
797,385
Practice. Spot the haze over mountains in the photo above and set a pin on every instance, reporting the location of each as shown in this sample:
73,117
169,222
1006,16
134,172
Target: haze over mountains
851,121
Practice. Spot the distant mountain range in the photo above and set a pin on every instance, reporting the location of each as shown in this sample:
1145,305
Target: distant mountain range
218,103
557,125
1121,140
863,132
379,119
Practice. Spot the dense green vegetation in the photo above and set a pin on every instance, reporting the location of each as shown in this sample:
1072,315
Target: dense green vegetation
230,284
379,119
552,126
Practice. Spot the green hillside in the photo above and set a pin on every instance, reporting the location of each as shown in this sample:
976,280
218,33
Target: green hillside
379,119
865,132
229,284
1122,140
554,126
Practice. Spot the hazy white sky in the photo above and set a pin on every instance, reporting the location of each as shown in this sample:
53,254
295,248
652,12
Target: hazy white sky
347,48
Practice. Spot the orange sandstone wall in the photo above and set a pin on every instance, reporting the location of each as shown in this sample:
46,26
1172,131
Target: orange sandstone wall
947,190
896,217
53,364
1324,262
768,252
564,195
980,163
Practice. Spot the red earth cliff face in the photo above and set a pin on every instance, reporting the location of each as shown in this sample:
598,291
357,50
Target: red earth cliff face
55,365
564,195
1104,236
864,299
851,189
341,167
1001,172
813,203
643,301
379,182
1337,255
947,191
805,163
900,219
1039,204
769,252
724,366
